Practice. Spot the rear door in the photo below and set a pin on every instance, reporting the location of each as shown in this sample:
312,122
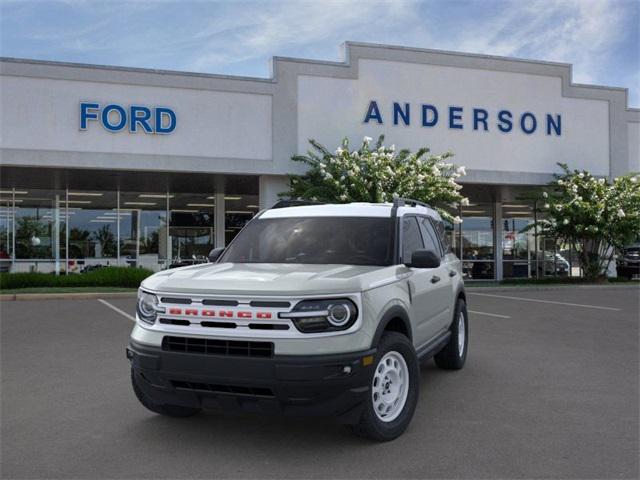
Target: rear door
442,293
420,284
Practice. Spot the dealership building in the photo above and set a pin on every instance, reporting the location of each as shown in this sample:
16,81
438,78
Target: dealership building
124,166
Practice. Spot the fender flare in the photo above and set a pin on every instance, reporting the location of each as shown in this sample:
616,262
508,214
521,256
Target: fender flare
396,311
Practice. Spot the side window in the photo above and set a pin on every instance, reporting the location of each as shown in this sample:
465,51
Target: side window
444,238
430,239
411,238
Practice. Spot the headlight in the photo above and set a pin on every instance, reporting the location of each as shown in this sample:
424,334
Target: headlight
148,307
330,315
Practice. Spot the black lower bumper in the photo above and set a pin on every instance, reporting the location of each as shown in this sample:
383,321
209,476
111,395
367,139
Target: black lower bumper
318,385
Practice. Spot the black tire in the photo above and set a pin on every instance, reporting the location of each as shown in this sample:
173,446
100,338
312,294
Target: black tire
450,357
370,425
168,410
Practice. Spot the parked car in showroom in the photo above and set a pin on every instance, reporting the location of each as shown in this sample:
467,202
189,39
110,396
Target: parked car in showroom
311,310
628,262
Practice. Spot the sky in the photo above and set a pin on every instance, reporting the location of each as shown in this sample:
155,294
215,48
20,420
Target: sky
601,38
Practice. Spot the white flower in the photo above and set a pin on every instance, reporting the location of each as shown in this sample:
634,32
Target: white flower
621,213
367,139
546,205
464,202
328,176
545,195
457,220
634,179
558,207
339,151
461,170
392,148
581,175
343,197
560,182
601,181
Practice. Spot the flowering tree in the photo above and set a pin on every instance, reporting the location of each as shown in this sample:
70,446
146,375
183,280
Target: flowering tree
377,174
593,215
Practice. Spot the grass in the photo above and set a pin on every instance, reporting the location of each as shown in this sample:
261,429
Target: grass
118,277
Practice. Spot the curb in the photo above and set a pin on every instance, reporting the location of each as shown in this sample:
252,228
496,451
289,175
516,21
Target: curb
510,288
65,296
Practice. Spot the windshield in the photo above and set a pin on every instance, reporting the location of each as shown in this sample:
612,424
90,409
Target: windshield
341,240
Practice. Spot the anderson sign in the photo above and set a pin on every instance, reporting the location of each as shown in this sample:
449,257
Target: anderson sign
461,118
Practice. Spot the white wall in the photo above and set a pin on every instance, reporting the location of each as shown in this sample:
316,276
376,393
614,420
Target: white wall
328,108
633,136
43,114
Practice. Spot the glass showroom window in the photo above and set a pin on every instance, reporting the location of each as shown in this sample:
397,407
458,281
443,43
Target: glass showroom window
191,227
518,240
477,241
92,230
143,229
239,209
40,217
6,229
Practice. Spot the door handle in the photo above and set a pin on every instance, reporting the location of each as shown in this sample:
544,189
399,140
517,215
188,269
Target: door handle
452,273
435,279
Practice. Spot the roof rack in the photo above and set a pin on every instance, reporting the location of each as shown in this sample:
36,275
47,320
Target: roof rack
290,202
402,202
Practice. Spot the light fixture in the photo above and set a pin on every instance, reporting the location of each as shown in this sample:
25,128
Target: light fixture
201,204
518,213
184,211
253,206
516,206
473,211
17,192
154,195
102,221
240,211
84,202
140,203
10,200
85,194
231,197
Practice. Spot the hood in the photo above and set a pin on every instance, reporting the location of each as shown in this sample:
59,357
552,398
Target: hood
269,279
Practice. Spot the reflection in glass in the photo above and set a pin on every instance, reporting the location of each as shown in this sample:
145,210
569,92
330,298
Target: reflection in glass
239,209
477,241
191,228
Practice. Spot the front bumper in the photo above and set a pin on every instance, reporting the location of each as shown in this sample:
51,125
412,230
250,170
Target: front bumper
313,385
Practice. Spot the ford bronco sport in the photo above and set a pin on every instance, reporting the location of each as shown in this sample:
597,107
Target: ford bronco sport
315,310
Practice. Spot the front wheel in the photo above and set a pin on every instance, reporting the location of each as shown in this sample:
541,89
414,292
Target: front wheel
394,390
454,354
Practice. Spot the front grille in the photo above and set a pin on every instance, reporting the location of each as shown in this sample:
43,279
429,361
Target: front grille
215,388
209,346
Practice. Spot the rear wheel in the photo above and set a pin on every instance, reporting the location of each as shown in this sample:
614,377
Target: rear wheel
394,390
454,354
168,410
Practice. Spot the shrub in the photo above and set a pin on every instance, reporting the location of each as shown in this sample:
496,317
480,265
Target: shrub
125,277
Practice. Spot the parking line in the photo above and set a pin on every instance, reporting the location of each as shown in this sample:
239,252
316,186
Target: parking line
488,314
523,299
116,309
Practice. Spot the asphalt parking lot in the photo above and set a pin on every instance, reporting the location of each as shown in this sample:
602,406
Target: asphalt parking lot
550,390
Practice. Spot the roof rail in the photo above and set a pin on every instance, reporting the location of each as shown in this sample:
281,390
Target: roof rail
401,202
290,202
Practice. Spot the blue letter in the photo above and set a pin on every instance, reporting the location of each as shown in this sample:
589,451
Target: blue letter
86,115
455,113
143,120
480,116
397,111
105,118
557,125
425,115
171,126
373,112
523,123
504,117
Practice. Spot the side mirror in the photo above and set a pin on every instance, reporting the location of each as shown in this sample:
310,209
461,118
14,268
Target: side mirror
424,259
215,254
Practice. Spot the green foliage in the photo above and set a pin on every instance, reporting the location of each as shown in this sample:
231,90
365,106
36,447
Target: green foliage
377,174
592,214
102,277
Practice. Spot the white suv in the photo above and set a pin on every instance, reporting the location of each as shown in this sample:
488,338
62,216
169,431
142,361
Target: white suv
314,310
